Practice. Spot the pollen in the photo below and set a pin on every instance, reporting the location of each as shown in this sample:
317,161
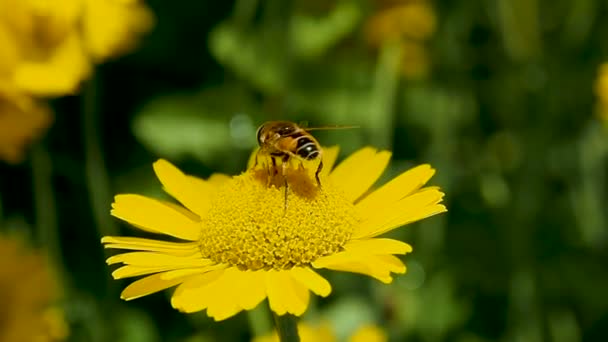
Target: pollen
254,224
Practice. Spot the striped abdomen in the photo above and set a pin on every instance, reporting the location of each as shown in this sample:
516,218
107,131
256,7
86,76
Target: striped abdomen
307,148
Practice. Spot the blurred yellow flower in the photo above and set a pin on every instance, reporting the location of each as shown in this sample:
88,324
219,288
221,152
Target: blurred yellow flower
22,121
105,37
369,333
414,19
242,245
307,332
46,47
41,47
324,333
410,24
28,296
415,60
601,91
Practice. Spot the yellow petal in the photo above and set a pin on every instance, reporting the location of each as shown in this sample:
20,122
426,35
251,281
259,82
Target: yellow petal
189,295
286,295
155,216
275,282
141,244
58,75
224,303
188,271
184,211
150,259
197,293
376,266
250,289
215,291
378,246
396,189
330,155
311,280
371,257
392,263
106,38
359,172
404,220
420,205
129,271
152,284
362,268
194,195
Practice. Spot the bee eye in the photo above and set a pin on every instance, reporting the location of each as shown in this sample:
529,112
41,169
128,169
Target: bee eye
285,130
259,134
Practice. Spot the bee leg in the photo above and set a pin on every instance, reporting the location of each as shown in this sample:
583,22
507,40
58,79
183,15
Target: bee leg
274,166
319,168
271,169
255,160
284,161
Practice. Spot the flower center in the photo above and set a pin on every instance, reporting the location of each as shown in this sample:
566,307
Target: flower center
253,225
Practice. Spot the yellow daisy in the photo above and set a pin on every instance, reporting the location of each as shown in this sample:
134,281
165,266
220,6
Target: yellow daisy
324,333
28,296
243,239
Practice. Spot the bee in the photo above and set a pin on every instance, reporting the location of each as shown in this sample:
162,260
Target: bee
284,140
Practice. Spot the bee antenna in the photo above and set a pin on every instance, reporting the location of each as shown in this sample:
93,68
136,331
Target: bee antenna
329,128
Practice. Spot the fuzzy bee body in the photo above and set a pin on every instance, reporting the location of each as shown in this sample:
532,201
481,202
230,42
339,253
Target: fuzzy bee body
286,140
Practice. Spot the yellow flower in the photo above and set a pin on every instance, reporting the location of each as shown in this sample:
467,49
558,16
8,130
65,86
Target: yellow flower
107,37
601,91
307,333
415,62
242,240
47,48
324,333
410,24
369,333
28,296
22,121
40,46
414,20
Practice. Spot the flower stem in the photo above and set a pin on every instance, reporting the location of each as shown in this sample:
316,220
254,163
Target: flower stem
383,95
287,328
96,174
259,320
45,208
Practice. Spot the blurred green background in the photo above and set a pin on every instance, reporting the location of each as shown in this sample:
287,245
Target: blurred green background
497,95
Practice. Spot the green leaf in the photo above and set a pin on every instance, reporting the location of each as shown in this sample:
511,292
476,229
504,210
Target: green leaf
250,56
313,36
207,125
